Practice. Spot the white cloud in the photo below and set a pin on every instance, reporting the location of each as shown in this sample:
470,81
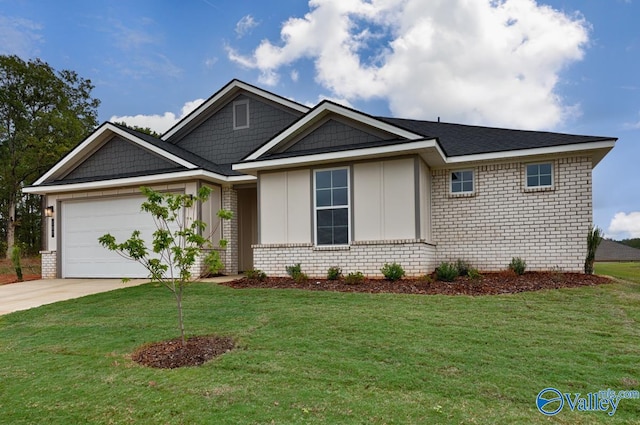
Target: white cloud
19,37
245,25
492,62
159,123
625,225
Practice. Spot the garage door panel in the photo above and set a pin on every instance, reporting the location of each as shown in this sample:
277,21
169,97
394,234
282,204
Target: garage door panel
83,222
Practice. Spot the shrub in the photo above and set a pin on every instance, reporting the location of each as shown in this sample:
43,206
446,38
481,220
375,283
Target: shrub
393,271
255,274
354,278
474,274
334,273
15,259
296,273
447,272
594,237
294,270
426,278
518,265
463,267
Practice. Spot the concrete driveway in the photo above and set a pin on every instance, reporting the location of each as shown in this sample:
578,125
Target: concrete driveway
34,293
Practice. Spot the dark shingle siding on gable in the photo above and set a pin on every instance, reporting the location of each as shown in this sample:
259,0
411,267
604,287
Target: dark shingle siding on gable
333,134
117,157
458,139
215,139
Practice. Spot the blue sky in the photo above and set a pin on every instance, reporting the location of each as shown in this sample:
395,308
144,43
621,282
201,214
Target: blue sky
567,66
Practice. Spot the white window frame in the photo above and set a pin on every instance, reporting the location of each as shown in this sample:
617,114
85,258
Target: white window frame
316,208
463,192
237,103
539,187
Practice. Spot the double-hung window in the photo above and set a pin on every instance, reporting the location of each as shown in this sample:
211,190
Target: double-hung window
462,182
331,197
539,175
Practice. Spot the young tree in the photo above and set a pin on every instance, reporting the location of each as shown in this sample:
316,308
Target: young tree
178,242
43,114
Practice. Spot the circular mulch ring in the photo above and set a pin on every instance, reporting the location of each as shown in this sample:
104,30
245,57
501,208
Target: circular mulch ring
488,284
172,354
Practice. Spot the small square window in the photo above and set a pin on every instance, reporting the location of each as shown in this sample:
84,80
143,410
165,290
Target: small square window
539,175
462,182
240,114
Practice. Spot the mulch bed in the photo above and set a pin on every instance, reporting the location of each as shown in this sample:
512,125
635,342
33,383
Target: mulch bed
488,284
172,354
7,279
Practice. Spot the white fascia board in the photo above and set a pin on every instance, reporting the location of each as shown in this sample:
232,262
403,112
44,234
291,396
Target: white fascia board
140,180
321,111
234,85
379,151
100,136
552,150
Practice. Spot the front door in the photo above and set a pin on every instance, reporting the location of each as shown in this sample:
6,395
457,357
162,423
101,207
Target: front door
247,227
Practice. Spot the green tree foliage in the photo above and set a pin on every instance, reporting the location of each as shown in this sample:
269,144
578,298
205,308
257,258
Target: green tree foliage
43,114
178,243
634,243
145,130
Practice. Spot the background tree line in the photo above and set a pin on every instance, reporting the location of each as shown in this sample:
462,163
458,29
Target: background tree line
44,113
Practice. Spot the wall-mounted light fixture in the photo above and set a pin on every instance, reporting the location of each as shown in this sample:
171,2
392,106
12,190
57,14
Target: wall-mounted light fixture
49,211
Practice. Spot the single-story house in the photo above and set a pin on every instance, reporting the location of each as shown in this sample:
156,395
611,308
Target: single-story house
328,186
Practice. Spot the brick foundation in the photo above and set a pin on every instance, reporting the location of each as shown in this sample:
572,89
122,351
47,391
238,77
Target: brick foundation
416,257
49,262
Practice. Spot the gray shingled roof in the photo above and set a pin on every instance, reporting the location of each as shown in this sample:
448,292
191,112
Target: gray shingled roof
224,169
616,251
458,139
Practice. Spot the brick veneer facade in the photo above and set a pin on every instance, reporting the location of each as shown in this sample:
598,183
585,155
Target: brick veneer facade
502,219
49,264
416,257
230,231
547,228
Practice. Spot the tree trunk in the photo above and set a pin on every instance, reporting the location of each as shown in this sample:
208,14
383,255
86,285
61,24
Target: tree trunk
11,226
180,315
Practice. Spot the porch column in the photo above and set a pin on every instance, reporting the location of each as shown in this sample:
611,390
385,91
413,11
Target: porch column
230,230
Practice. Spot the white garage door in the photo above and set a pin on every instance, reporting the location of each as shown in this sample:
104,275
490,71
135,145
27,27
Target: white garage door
83,222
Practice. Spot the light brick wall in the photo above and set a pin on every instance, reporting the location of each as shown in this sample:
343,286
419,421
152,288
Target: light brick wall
547,228
416,257
49,264
230,231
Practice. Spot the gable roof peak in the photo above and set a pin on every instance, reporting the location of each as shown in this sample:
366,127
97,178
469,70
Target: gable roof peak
224,95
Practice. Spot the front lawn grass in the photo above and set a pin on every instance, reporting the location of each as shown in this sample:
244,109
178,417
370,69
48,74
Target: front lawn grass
622,270
322,357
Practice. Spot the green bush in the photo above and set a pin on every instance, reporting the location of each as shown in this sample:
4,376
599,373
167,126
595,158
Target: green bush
474,274
447,272
15,259
594,237
255,274
294,270
463,267
334,273
518,265
354,278
393,271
